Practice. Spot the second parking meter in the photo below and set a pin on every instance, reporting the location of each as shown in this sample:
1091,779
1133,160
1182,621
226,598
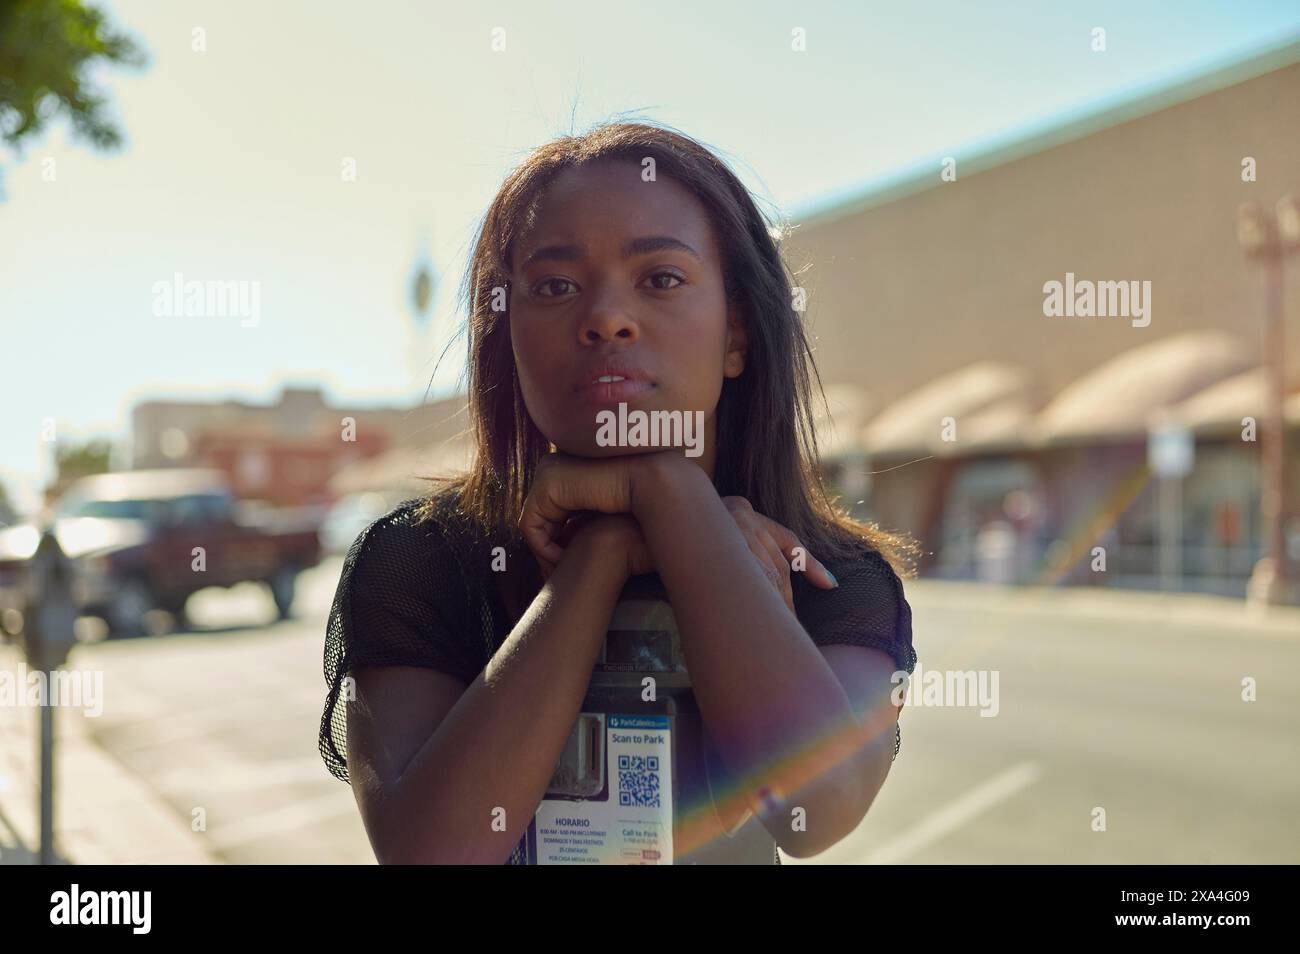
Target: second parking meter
50,612
638,771
48,635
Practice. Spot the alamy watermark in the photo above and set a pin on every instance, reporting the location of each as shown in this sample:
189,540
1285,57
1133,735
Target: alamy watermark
651,429
947,688
1089,299
75,688
208,299
129,908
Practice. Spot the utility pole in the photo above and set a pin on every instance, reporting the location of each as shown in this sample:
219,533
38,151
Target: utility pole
1269,238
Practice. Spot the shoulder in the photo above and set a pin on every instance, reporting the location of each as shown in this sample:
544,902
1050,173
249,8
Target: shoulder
416,549
401,601
404,597
407,537
868,608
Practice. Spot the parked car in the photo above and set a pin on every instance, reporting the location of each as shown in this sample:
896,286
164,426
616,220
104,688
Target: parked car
146,540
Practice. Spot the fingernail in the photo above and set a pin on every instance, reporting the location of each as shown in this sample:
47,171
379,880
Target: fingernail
834,582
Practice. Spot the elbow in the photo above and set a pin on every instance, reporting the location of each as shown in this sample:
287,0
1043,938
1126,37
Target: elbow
833,828
831,811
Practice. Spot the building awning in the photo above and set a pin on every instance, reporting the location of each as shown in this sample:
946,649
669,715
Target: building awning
1219,409
1117,399
991,403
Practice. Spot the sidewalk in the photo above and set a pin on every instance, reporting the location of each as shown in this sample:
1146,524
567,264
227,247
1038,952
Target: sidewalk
1170,610
103,814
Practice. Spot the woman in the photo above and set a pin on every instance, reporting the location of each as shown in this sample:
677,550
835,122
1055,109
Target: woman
624,267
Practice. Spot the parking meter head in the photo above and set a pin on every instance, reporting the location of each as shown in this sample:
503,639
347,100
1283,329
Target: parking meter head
49,629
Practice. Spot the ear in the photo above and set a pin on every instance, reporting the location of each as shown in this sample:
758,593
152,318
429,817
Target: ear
733,362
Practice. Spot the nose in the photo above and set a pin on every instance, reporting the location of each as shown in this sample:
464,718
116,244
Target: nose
607,319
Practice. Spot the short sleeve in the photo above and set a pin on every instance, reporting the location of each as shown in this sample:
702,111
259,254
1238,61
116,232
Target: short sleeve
400,601
868,608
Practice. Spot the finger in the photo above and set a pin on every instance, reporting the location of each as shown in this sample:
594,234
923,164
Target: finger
561,487
795,552
783,568
539,533
814,570
765,549
764,557
571,526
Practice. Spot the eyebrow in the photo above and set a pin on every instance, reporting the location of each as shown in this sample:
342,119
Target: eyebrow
637,246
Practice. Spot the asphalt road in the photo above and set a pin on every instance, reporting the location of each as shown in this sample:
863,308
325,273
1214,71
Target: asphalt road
1131,705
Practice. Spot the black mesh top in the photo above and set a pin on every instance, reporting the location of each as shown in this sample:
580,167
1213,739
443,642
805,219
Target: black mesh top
422,593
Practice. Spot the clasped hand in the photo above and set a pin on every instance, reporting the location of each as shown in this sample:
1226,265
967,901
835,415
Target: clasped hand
571,494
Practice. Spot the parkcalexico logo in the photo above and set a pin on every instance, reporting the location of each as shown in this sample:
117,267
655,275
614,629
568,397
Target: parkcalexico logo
103,907
208,299
1089,299
947,688
651,429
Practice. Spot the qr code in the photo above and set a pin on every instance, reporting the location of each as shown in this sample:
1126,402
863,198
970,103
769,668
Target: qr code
638,780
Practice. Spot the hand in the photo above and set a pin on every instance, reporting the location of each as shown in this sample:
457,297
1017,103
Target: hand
564,485
773,545
776,548
616,536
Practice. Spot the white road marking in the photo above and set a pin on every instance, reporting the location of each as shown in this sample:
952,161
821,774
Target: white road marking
955,814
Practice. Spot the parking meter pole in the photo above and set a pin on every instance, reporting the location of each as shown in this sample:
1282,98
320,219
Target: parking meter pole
48,637
47,784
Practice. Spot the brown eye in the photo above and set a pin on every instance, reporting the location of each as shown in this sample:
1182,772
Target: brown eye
547,283
673,275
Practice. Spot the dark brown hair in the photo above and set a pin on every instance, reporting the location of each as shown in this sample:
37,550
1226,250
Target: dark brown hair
766,445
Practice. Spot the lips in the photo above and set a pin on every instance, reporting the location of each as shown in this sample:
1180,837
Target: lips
611,382
608,373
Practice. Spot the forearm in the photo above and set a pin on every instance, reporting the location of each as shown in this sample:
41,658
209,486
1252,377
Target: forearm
498,746
779,715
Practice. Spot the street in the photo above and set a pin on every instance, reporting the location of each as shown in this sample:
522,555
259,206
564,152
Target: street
1126,703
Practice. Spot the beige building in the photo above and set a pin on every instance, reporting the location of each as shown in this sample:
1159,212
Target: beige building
928,298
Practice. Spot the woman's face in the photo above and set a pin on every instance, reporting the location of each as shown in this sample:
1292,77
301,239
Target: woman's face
618,277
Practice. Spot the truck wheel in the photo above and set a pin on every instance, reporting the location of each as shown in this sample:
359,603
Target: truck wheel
282,587
132,602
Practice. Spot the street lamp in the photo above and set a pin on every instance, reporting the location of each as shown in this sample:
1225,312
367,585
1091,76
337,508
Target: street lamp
1268,238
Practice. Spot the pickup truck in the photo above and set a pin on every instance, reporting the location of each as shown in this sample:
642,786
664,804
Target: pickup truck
145,540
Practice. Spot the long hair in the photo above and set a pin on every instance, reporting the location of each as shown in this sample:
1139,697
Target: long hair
766,441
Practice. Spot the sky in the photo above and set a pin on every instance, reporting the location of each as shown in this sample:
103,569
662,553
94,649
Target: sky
233,163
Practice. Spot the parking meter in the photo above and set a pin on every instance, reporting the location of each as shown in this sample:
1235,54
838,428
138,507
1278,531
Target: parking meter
48,635
50,615
638,771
